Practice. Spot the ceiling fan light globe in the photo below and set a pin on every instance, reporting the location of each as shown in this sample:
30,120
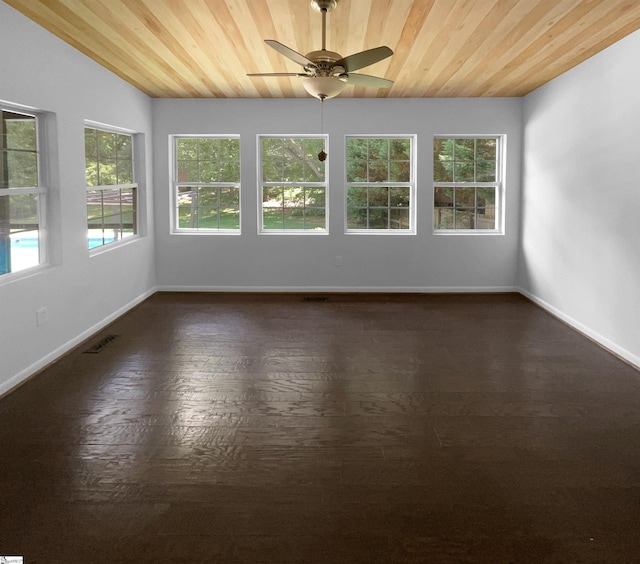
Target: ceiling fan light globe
322,87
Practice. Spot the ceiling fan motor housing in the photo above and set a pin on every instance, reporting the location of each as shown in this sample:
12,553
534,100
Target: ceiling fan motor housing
325,63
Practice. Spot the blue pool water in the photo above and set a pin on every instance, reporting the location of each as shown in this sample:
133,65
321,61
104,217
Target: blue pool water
32,243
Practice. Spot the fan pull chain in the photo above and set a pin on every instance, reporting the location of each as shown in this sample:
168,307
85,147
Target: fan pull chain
322,156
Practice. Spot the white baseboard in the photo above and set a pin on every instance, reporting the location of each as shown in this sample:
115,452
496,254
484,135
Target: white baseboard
612,347
344,289
25,374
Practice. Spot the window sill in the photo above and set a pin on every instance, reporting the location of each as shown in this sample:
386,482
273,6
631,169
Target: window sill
467,232
392,232
11,277
203,232
304,232
114,245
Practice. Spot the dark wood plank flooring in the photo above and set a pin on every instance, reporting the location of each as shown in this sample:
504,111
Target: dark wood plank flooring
366,428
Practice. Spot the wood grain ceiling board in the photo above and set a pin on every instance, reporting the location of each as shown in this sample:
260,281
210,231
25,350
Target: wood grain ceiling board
443,48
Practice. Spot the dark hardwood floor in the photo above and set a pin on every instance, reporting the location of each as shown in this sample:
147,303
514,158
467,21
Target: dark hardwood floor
365,428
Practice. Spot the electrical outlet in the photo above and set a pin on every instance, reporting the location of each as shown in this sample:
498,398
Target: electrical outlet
338,261
41,316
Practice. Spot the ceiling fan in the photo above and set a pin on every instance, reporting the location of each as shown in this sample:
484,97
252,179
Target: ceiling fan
326,73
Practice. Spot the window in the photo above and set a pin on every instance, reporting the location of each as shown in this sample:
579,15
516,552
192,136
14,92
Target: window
466,174
207,184
380,184
21,192
294,187
111,190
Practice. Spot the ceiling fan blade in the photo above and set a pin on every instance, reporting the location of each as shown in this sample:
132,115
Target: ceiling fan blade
369,81
290,53
278,74
364,58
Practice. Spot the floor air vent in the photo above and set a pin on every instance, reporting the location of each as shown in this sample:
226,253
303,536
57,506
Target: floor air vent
315,299
101,344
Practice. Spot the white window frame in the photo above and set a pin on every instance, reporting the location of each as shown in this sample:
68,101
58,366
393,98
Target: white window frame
501,142
411,184
41,190
262,185
134,186
176,184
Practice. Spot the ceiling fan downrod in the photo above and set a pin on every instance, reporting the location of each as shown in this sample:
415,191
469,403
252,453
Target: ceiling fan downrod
324,6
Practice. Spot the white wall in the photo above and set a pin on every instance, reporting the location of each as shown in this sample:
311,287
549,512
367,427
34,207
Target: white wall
80,292
581,197
423,262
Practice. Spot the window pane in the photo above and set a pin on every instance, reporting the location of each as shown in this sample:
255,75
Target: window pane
464,219
378,149
229,171
378,218
464,149
229,149
107,172
207,197
400,171
356,218
293,218
294,196
187,171
486,149
19,232
18,151
356,170
272,196
356,160
106,145
315,219
378,197
378,171
94,206
399,219
485,171
399,197
208,149
486,197
315,197
486,218
19,132
208,171
400,149
272,218
443,218
443,197
443,149
207,218
186,149
124,147
465,197
357,196
229,197
464,171
124,170
229,218
314,170
21,171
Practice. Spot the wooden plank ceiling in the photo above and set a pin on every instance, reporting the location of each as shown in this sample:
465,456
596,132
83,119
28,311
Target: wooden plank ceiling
443,48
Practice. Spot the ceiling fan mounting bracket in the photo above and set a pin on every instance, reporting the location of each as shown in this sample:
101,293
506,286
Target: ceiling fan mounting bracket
323,5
